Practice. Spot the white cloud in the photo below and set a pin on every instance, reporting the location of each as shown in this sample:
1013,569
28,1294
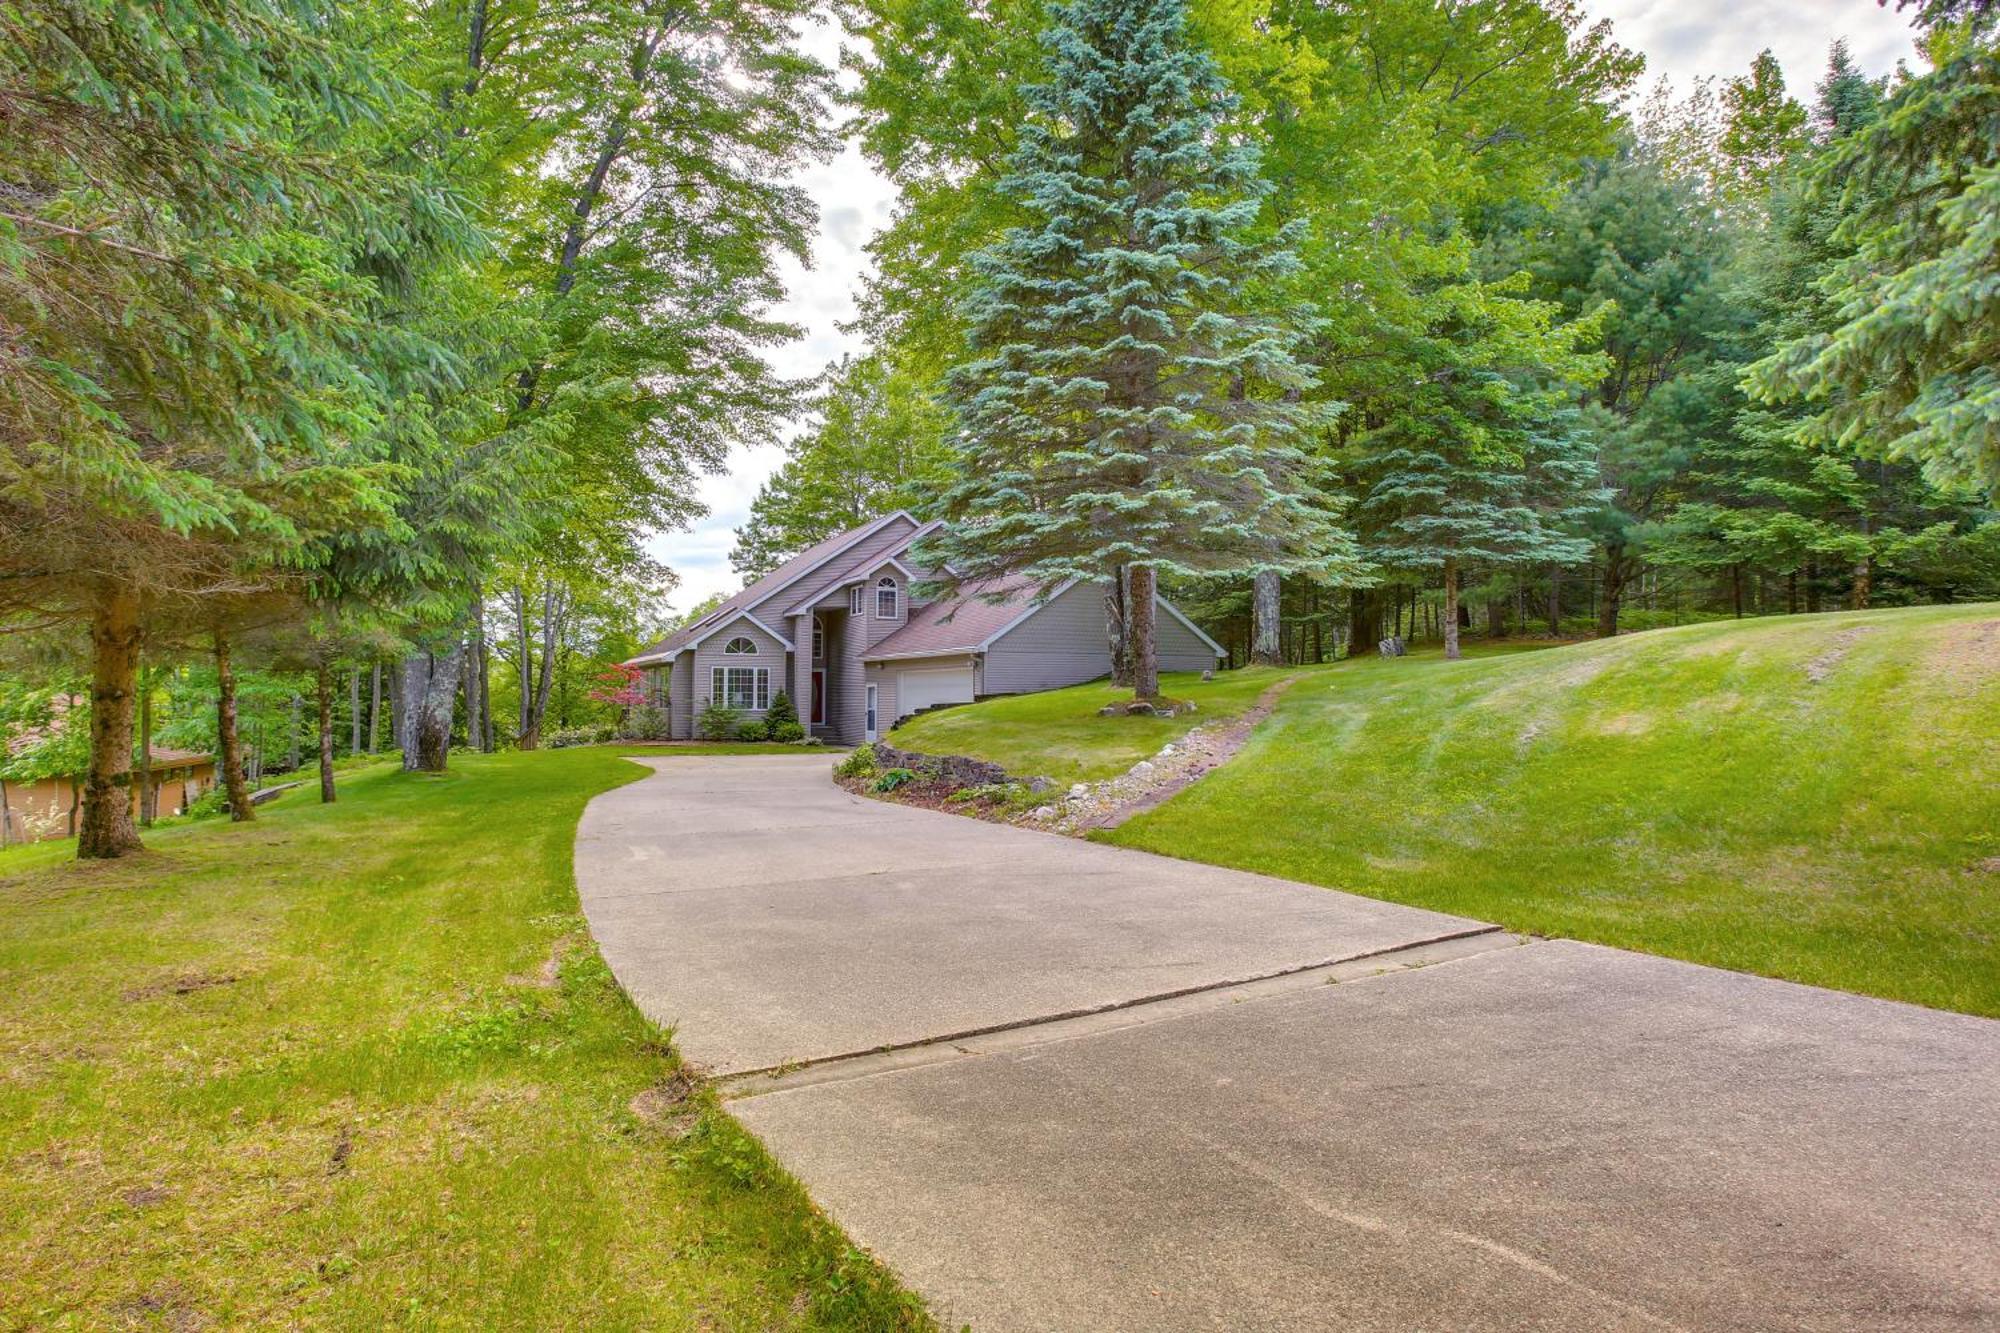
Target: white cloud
1682,39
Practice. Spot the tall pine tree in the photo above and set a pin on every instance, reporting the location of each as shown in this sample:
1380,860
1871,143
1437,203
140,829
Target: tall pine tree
1133,396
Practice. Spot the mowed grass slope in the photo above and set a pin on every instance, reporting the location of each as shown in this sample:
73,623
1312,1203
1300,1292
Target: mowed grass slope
1059,735
360,1066
1814,798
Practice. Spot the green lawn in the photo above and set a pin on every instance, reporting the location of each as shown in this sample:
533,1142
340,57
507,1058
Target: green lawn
1692,792
1059,735
320,1070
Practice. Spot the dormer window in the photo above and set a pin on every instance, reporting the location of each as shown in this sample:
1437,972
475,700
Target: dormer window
739,647
885,598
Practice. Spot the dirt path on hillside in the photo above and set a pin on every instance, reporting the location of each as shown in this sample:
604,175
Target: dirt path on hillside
1154,781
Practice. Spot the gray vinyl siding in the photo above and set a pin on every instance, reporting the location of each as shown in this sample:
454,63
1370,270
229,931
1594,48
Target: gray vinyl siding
770,655
1179,647
680,698
1064,643
884,681
857,634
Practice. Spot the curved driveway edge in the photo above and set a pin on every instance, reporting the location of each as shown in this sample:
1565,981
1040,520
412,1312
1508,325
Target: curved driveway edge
1550,1136
770,917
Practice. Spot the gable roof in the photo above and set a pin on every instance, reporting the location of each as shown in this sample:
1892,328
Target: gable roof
839,573
964,623
798,567
969,623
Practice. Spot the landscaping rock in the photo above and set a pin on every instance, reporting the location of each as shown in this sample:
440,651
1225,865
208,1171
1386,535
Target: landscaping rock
1079,791
947,770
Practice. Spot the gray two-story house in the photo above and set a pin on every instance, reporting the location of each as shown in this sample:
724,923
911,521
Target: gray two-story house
838,629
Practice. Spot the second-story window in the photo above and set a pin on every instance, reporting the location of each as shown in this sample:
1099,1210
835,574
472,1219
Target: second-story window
885,599
819,641
854,596
739,647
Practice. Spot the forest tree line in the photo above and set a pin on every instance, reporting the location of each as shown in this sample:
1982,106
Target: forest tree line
1590,356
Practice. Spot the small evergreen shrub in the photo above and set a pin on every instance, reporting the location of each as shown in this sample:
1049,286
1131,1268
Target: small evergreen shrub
894,778
859,764
752,729
791,733
781,712
717,722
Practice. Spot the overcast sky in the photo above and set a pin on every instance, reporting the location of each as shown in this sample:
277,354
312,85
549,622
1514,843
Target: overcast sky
1681,39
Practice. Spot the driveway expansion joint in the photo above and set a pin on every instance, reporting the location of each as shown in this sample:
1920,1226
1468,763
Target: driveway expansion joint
1070,1025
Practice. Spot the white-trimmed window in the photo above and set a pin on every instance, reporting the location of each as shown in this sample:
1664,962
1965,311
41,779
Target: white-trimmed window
819,640
885,598
747,689
854,596
739,647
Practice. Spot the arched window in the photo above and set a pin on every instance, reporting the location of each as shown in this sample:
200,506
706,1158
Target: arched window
739,647
885,598
819,640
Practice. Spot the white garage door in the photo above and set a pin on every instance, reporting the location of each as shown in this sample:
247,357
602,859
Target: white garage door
932,686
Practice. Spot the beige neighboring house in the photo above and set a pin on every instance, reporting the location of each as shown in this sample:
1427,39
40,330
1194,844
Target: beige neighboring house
50,807
838,628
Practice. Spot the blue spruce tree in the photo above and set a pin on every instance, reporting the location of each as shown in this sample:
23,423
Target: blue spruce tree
1133,396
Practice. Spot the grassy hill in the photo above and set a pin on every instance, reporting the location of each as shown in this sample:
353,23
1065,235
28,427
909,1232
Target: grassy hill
1816,798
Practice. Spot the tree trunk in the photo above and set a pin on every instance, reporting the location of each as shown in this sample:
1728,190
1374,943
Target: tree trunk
107,829
354,711
475,675
1496,618
1141,614
149,800
375,710
324,691
292,736
1451,652
1792,593
1117,626
524,664
1555,601
430,683
1265,592
1611,588
227,742
1812,587
1736,587
1364,619
555,606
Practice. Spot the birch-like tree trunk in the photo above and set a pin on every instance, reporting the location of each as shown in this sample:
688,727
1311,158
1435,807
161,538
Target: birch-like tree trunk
430,685
1265,591
228,744
107,829
354,711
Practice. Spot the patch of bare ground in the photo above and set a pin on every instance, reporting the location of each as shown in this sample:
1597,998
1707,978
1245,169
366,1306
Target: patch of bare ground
1152,782
184,983
549,973
668,1107
1822,667
1964,656
160,1307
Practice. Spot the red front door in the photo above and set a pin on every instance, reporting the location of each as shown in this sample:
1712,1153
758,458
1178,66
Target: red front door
819,699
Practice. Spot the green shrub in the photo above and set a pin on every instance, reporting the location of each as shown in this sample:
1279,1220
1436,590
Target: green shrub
752,729
859,764
791,733
213,802
780,713
894,778
647,722
717,722
569,736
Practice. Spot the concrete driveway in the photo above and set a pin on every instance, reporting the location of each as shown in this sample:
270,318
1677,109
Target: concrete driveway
1063,1086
